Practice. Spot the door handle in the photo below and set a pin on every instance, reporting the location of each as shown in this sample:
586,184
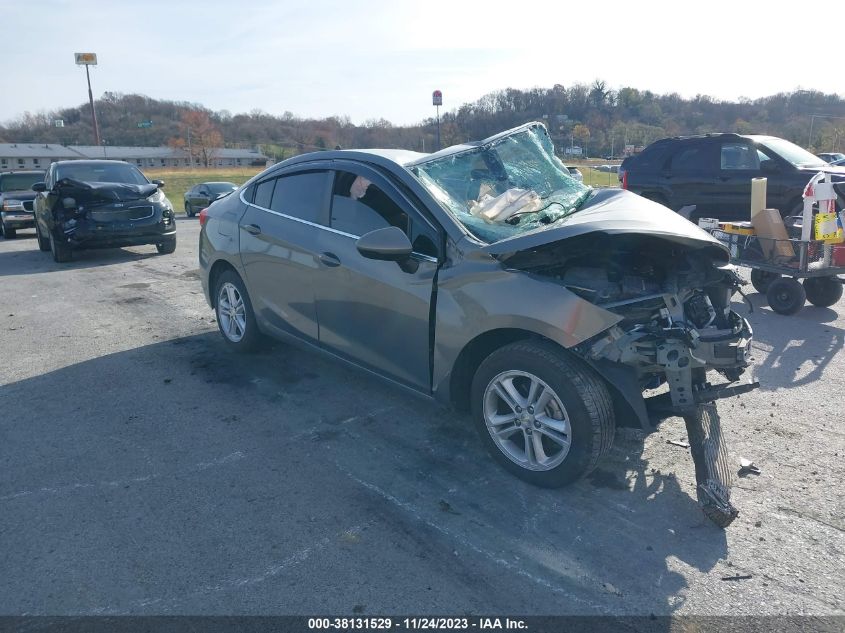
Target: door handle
330,259
253,229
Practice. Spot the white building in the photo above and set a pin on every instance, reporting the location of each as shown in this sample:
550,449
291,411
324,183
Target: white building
40,155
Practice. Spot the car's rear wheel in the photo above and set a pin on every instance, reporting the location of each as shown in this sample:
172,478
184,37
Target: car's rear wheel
761,280
167,247
235,317
823,291
43,243
8,233
61,252
543,415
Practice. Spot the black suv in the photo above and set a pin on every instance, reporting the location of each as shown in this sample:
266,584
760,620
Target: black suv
714,172
101,204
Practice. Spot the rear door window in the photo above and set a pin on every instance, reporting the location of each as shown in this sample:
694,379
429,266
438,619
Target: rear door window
690,159
301,195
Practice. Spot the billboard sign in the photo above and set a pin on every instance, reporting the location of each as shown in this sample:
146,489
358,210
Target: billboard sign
86,59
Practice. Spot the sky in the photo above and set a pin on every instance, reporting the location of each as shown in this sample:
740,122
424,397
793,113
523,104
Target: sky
373,59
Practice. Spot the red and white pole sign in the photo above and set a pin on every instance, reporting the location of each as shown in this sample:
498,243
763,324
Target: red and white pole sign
437,98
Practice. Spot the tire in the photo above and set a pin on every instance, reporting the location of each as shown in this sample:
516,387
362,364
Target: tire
43,243
786,296
712,467
240,334
823,291
8,233
167,247
61,252
577,410
761,280
189,210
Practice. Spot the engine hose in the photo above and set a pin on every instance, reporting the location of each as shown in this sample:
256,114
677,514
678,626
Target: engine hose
712,470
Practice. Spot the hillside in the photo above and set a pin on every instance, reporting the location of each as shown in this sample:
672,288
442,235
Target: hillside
592,116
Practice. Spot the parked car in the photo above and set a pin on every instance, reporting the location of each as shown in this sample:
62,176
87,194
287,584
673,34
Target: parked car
485,277
203,194
839,163
101,204
830,157
714,173
16,196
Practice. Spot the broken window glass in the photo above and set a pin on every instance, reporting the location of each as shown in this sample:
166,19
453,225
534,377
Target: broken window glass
508,186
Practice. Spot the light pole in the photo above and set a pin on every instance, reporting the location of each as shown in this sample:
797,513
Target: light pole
90,59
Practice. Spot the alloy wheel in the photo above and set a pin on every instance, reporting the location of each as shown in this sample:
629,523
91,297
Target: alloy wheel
527,420
231,312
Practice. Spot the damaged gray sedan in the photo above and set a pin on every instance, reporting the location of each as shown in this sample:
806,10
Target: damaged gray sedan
485,277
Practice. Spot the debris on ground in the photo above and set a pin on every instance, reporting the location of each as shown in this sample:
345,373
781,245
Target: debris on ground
680,443
746,466
738,577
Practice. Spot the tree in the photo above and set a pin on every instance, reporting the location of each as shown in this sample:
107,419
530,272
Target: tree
199,137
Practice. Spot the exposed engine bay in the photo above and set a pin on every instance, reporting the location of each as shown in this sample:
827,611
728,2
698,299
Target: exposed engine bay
677,323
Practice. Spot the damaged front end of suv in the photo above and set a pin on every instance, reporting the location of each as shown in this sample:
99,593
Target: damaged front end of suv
82,214
663,285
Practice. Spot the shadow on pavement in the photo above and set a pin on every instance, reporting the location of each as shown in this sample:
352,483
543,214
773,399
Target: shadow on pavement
35,261
113,479
790,342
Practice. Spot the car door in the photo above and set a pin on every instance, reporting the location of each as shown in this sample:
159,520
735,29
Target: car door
377,313
739,162
199,197
191,197
689,173
279,249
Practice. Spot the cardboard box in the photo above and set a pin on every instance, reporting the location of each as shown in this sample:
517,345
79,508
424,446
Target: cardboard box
769,227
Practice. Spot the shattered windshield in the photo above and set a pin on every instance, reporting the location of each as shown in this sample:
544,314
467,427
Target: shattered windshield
506,187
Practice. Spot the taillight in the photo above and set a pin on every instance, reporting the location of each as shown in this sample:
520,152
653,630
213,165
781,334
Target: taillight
625,179
203,216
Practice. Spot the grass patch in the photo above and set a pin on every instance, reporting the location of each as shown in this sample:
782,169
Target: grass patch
178,181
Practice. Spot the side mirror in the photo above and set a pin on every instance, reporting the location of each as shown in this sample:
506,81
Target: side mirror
159,183
387,244
769,167
39,187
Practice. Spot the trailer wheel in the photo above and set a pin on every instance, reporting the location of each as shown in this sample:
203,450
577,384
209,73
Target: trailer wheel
786,296
823,291
761,280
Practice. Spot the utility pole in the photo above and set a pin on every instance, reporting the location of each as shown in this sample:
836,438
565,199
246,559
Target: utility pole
90,59
190,153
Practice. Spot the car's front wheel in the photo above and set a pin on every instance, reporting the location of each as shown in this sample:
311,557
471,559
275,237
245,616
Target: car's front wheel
61,252
43,242
189,210
167,247
235,317
545,416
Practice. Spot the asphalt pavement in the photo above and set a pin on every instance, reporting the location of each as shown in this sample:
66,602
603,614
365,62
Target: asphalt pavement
148,470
